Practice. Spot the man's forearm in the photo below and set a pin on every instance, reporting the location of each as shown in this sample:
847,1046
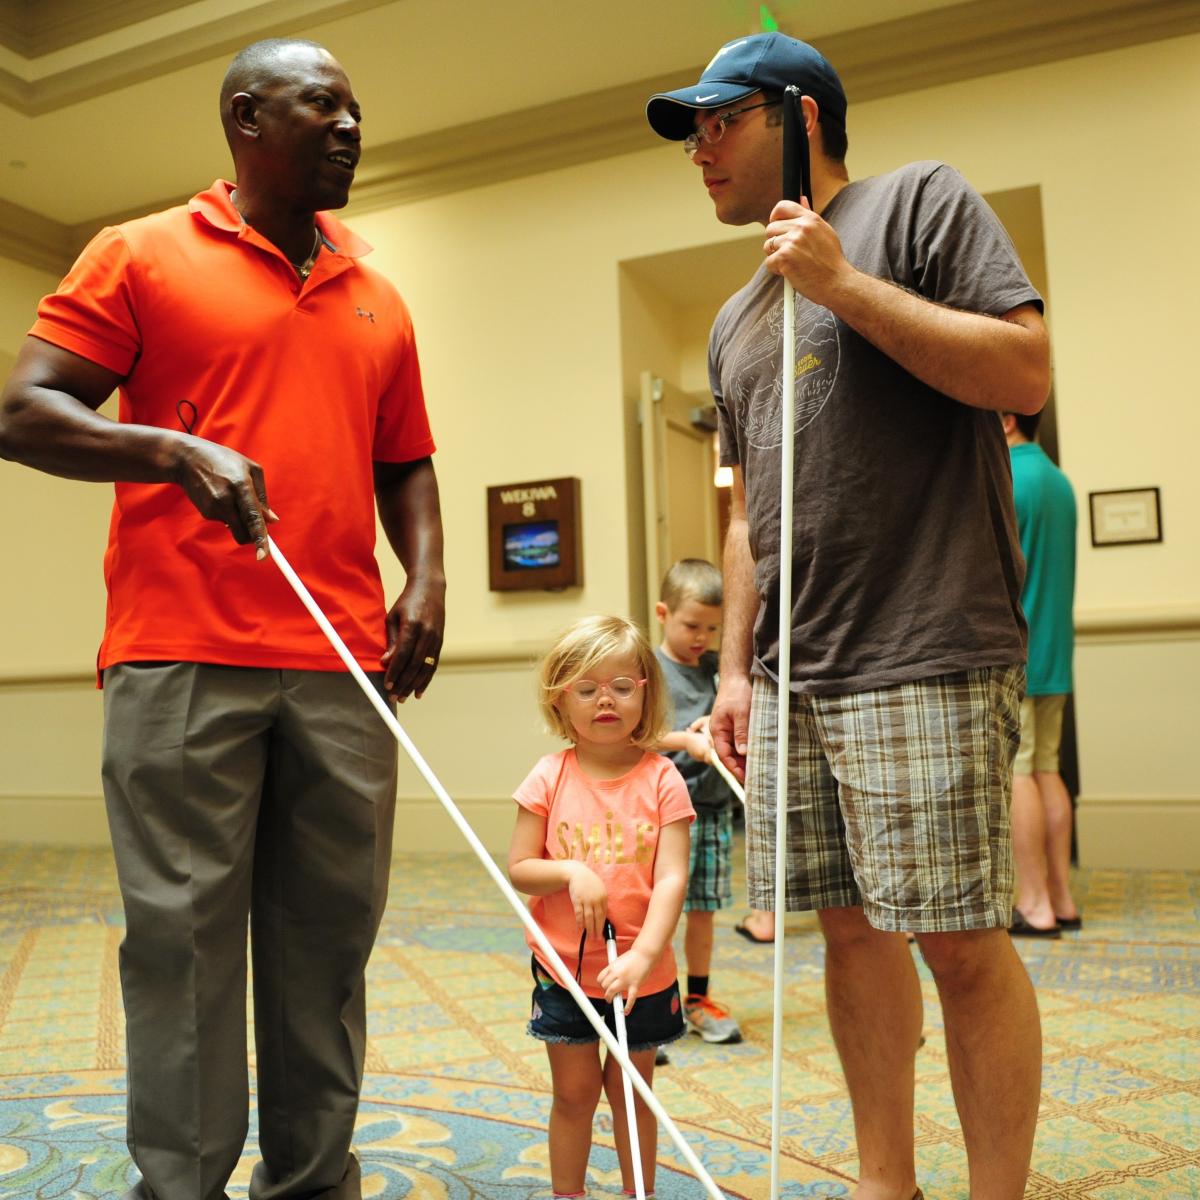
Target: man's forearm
55,433
410,512
407,496
741,602
48,421
998,363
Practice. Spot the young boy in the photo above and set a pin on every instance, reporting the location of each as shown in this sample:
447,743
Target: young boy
690,614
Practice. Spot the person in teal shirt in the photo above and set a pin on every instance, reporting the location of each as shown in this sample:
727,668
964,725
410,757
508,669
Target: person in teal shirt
1041,805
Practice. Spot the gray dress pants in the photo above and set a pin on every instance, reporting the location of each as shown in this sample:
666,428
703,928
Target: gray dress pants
240,795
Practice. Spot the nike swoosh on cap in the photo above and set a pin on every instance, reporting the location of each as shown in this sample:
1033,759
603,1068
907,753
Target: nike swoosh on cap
702,99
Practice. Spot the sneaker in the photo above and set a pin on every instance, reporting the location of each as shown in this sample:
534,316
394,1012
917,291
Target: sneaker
710,1020
660,1056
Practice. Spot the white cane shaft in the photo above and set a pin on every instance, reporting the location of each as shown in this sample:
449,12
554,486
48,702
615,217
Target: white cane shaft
731,780
787,447
518,905
635,1148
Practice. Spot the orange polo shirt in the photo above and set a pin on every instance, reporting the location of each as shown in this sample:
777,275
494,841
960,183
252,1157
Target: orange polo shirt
213,332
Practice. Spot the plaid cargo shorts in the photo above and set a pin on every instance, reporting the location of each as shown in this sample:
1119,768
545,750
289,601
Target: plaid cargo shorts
710,864
898,800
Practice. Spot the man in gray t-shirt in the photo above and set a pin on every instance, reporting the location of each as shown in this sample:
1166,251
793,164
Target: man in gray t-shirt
915,326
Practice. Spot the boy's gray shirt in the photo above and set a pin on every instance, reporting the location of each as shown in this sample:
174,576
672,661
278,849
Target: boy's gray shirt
907,562
693,690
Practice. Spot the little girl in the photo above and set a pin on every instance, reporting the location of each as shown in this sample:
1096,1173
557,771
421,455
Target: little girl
602,831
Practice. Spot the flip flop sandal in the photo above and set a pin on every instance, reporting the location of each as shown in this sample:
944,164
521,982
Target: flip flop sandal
1022,928
750,937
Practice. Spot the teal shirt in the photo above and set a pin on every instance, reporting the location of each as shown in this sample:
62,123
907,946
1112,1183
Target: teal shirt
1046,521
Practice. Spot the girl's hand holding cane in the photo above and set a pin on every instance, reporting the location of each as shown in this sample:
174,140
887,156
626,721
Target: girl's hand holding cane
624,976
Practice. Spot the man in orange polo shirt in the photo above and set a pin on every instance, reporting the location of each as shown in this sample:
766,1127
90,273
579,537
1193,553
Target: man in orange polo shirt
245,777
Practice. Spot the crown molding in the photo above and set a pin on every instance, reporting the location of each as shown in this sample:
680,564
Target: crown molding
933,48
981,37
940,46
28,237
173,52
32,28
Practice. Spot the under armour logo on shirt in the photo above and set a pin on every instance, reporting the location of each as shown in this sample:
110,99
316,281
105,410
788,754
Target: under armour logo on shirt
363,313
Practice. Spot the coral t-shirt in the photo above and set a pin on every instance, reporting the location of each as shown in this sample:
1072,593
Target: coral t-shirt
612,825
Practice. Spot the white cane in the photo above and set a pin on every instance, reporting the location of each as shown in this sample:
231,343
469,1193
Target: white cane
795,184
731,780
635,1148
552,955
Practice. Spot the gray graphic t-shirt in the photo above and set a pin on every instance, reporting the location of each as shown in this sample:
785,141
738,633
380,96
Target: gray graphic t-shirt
906,560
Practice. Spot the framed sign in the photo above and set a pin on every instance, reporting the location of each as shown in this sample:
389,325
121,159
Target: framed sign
534,536
1125,517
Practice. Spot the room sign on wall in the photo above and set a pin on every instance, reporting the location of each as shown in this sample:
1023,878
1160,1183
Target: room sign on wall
534,535
1125,516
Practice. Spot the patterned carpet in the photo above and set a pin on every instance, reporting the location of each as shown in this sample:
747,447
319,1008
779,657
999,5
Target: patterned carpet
456,1099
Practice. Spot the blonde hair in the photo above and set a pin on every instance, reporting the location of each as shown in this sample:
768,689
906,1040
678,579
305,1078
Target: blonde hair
578,650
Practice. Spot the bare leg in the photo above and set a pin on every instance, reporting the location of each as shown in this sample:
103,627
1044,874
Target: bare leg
874,1002
647,1126
1029,852
994,1043
577,1077
698,942
1056,804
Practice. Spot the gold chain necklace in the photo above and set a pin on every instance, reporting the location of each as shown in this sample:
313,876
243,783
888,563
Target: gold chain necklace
304,269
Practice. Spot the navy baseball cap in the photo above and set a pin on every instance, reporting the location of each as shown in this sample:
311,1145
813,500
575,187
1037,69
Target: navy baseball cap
762,62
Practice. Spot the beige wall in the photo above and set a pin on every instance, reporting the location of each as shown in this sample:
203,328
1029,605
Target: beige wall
52,603
517,295
23,287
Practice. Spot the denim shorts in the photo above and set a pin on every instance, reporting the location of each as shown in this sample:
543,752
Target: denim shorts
555,1016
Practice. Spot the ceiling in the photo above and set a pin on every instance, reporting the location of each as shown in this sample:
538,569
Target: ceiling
109,106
